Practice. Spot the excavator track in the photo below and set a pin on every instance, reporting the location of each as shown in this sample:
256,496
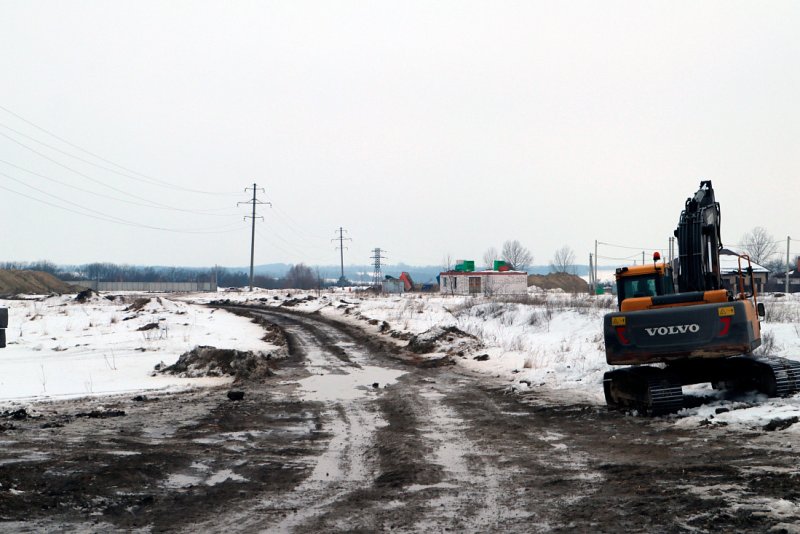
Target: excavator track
784,379
649,390
653,391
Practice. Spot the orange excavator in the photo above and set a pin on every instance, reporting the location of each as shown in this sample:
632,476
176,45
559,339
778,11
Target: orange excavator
700,332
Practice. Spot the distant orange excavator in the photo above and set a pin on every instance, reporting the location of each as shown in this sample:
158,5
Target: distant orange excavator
408,283
700,333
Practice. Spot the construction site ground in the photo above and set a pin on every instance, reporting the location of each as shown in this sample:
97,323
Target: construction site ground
355,435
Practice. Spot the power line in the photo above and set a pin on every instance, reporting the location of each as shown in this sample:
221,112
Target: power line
377,256
253,217
297,250
754,244
632,257
91,192
628,247
110,218
294,226
273,244
155,181
341,247
79,173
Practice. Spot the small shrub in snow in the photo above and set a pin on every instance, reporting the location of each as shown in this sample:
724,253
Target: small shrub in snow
767,344
516,344
782,311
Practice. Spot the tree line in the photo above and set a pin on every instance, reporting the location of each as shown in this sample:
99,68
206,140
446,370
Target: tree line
298,276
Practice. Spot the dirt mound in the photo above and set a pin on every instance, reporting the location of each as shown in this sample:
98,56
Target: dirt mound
569,283
298,300
32,282
449,339
211,361
85,296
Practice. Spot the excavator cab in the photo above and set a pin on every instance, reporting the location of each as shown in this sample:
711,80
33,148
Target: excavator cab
644,281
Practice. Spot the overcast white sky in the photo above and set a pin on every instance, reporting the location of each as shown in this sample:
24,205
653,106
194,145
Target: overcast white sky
425,128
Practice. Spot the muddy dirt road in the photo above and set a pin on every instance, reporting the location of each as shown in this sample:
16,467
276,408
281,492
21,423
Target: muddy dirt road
355,435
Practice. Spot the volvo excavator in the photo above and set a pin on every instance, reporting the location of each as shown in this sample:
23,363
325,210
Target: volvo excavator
699,332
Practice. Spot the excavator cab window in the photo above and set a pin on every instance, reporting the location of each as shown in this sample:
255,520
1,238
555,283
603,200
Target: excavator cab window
641,286
648,285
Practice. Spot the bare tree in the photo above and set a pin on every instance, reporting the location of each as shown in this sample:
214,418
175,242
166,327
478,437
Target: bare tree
517,256
563,261
300,276
759,245
447,262
489,257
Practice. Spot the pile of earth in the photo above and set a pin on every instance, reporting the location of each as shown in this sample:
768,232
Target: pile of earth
569,283
449,339
32,283
211,361
297,300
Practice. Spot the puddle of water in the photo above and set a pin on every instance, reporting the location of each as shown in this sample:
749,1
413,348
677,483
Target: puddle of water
551,436
180,481
30,457
250,435
208,441
223,476
353,385
199,466
177,481
419,487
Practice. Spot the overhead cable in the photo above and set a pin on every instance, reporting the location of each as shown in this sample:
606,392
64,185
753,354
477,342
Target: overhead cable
134,203
156,181
110,218
91,179
628,247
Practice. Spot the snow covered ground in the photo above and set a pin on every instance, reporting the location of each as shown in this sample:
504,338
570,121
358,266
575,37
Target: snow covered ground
58,347
547,340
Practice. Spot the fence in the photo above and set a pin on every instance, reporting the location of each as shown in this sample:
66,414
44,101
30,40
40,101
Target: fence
152,287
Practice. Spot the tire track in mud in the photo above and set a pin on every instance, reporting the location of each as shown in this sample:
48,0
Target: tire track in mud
397,456
424,463
342,381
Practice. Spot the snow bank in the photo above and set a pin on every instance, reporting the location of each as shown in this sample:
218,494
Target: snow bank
59,347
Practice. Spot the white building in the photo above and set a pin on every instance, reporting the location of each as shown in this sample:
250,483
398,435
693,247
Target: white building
483,283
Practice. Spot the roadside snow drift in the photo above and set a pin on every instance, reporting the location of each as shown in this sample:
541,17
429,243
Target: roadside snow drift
63,346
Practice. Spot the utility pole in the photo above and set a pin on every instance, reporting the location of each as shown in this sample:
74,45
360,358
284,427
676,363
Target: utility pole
592,281
671,249
788,263
255,201
342,280
376,258
595,260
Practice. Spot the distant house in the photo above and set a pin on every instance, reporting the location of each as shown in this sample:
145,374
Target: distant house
392,285
778,281
483,282
729,270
